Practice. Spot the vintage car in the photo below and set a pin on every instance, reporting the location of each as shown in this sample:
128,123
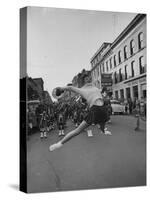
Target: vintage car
117,107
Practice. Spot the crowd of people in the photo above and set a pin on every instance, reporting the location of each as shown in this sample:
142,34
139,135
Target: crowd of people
56,115
135,105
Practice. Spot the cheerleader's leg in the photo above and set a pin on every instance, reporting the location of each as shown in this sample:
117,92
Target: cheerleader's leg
69,136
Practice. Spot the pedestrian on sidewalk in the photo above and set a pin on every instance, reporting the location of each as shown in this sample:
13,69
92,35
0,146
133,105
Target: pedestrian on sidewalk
97,113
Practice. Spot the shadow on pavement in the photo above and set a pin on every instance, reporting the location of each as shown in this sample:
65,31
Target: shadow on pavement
14,186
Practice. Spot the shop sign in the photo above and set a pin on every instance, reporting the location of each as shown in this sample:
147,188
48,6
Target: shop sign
106,79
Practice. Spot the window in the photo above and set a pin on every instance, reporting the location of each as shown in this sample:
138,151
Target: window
107,66
135,91
128,93
125,69
98,71
142,65
103,68
119,57
116,94
110,61
114,60
115,78
132,68
120,75
122,94
125,52
140,40
132,47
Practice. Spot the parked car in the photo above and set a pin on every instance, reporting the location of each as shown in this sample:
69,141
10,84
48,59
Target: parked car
117,107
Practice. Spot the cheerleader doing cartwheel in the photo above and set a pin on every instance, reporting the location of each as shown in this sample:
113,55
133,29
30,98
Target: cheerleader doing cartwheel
97,111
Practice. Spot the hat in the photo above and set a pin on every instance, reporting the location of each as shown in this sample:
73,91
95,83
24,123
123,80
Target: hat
57,93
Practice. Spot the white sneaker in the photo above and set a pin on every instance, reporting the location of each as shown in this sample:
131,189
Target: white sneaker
62,132
59,133
89,132
45,135
107,133
41,135
55,146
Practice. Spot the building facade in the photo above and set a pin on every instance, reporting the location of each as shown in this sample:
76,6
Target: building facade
78,80
97,64
125,60
35,91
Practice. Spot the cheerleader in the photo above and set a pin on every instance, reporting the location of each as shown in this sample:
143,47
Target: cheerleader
97,111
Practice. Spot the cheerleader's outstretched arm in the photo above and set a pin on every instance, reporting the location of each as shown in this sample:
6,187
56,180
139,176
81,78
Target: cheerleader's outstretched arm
73,89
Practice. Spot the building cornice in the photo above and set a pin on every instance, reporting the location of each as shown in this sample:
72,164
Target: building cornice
138,18
103,46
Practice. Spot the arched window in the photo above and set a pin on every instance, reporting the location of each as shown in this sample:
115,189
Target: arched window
110,63
115,77
125,52
142,65
132,47
119,56
115,61
126,71
133,68
140,40
107,66
120,74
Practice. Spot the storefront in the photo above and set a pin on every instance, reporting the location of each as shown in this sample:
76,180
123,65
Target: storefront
135,92
128,93
143,90
136,88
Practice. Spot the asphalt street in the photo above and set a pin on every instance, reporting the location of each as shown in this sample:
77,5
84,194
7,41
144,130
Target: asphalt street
101,161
